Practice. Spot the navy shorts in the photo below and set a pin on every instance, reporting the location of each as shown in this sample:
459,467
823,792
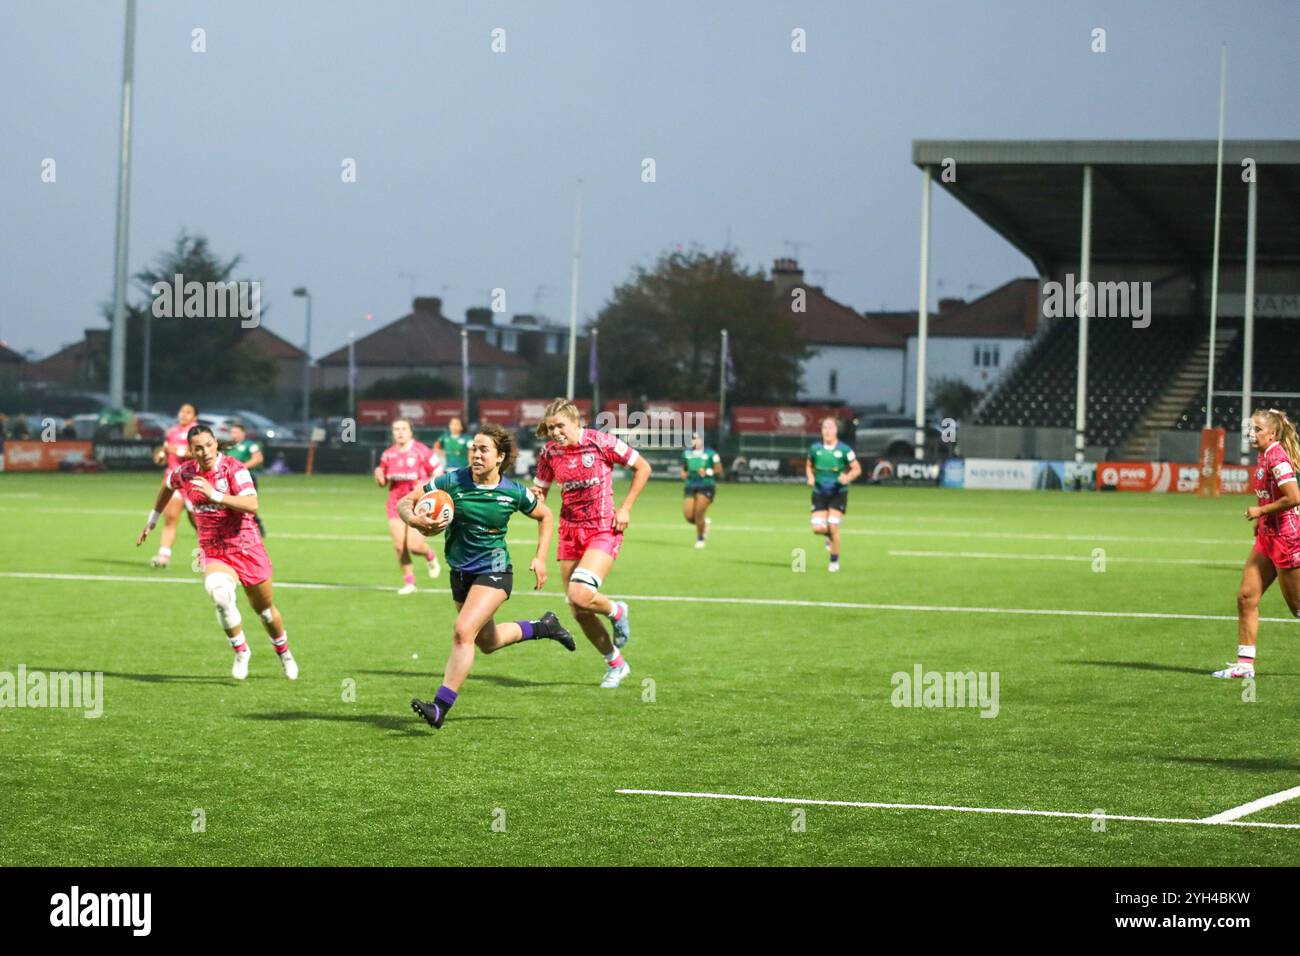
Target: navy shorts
462,581
837,500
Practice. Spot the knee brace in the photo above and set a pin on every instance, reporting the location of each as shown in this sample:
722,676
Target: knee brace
818,522
221,588
583,576
833,520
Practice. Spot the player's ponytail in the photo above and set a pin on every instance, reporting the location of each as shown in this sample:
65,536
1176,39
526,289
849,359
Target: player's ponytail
1284,431
558,406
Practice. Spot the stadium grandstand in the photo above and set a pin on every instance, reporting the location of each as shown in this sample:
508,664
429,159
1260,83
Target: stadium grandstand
1147,249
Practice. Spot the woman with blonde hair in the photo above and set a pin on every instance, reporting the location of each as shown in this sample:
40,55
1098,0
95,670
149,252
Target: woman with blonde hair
1276,555
581,461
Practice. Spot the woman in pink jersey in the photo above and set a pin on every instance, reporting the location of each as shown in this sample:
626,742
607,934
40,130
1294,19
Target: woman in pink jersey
175,449
581,461
221,491
404,465
1276,554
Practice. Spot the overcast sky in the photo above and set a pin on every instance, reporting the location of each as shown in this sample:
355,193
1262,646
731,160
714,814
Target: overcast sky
466,159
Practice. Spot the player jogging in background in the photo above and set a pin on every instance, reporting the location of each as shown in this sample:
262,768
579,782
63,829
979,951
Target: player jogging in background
831,468
221,491
244,449
700,470
453,446
1276,514
403,466
175,449
581,461
481,573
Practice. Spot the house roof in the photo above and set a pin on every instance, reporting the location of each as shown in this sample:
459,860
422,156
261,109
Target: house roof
1008,312
271,344
9,356
422,337
828,322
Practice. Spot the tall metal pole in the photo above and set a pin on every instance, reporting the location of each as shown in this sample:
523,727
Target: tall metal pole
148,359
306,374
1214,264
573,289
464,375
722,383
352,375
1248,345
117,347
922,316
1085,306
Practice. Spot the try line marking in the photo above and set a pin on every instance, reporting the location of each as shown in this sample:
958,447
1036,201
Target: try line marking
683,599
1227,819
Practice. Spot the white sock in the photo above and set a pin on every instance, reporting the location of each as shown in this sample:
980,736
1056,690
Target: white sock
612,656
1246,652
164,552
236,642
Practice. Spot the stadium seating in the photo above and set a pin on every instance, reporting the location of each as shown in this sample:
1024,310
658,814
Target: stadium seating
1276,369
1127,369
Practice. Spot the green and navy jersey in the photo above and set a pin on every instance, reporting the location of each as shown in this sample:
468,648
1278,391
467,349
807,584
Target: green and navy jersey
828,464
476,537
705,458
244,450
455,450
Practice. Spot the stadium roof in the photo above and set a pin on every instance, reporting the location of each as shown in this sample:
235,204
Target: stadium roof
1153,200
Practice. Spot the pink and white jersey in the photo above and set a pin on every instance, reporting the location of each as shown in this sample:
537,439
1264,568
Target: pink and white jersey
405,468
585,474
1272,471
221,530
178,443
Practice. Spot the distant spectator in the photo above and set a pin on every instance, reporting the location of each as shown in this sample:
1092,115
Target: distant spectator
69,430
19,430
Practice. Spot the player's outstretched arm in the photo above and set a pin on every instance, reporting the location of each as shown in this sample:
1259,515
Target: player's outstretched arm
545,523
159,503
640,477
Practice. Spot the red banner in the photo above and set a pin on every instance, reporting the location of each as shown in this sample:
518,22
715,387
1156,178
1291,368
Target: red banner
420,413
1163,476
1211,460
522,412
785,420
705,413
44,455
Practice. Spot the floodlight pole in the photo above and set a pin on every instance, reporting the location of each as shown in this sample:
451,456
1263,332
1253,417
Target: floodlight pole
1214,263
573,290
1084,307
922,316
1248,344
117,345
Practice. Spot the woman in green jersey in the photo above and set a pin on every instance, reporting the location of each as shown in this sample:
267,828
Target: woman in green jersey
481,573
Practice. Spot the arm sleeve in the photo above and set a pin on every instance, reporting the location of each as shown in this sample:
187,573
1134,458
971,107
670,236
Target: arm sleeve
173,478
244,483
615,449
545,473
1282,471
527,501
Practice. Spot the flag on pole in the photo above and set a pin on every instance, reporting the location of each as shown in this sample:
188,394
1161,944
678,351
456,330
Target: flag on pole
593,362
729,370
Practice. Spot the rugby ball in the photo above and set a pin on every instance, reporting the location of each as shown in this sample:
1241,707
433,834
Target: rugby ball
437,505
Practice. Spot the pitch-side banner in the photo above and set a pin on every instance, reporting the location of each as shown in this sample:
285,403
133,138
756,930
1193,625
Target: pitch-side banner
522,412
775,419
425,414
906,471
1017,475
43,455
1211,460
1163,476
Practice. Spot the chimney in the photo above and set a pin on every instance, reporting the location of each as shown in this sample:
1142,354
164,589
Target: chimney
478,317
430,304
786,274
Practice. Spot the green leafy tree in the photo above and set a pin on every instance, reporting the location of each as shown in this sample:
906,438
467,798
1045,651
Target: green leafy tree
411,386
660,333
952,398
188,354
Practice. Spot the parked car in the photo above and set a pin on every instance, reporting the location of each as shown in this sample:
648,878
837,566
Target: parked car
265,429
152,426
890,436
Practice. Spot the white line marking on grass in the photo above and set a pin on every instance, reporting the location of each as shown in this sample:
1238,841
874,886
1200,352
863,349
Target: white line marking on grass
688,599
1024,556
1211,821
1263,803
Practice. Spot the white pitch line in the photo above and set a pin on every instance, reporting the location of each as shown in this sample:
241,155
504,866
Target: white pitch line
1029,556
1263,803
1211,821
687,599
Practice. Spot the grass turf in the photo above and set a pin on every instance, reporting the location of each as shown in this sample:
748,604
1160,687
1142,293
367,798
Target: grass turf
1108,713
